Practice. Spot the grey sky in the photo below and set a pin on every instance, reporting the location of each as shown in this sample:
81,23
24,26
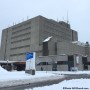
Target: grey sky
78,13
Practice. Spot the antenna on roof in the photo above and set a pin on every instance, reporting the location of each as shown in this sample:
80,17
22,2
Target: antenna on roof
14,23
67,17
68,21
63,18
23,19
27,17
57,19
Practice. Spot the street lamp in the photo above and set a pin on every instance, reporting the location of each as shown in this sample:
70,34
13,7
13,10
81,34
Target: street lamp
7,64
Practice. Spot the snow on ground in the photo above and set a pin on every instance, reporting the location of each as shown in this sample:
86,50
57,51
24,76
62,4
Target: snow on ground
69,72
3,70
75,84
20,77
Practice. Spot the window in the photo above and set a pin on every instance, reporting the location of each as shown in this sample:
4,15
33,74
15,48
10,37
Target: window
20,40
44,63
18,31
20,35
20,47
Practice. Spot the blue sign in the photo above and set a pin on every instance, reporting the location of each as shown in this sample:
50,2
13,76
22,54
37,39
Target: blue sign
29,55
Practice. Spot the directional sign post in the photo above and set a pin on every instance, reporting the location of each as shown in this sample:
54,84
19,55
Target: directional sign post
30,63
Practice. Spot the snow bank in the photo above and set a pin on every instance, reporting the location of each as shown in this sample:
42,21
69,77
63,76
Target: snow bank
20,77
2,70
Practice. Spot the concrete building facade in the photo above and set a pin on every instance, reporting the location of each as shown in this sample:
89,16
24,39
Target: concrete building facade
63,63
70,55
59,53
29,35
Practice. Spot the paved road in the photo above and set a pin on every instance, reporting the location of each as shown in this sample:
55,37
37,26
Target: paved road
32,85
74,76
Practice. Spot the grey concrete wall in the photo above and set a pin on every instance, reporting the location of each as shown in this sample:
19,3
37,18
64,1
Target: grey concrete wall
49,68
45,68
52,28
69,48
34,46
62,67
74,35
29,35
88,58
3,44
53,59
21,38
51,47
88,67
0,52
80,64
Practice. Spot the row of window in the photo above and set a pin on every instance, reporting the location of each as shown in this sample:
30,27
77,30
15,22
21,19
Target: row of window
20,40
19,47
21,25
51,26
27,23
28,33
62,36
21,30
55,24
18,54
57,30
51,23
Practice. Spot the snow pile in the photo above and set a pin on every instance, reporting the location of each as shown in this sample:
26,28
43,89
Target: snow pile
20,77
75,84
2,70
47,39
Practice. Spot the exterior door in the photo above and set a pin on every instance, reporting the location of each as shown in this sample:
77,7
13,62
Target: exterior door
85,63
70,62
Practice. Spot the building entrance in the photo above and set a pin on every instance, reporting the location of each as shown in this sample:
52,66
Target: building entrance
70,62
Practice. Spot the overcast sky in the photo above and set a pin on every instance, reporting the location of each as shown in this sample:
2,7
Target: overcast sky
15,11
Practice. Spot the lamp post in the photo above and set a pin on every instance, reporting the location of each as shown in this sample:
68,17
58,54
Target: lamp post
7,64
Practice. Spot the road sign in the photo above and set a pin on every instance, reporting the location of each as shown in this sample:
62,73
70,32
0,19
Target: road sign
30,60
29,55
